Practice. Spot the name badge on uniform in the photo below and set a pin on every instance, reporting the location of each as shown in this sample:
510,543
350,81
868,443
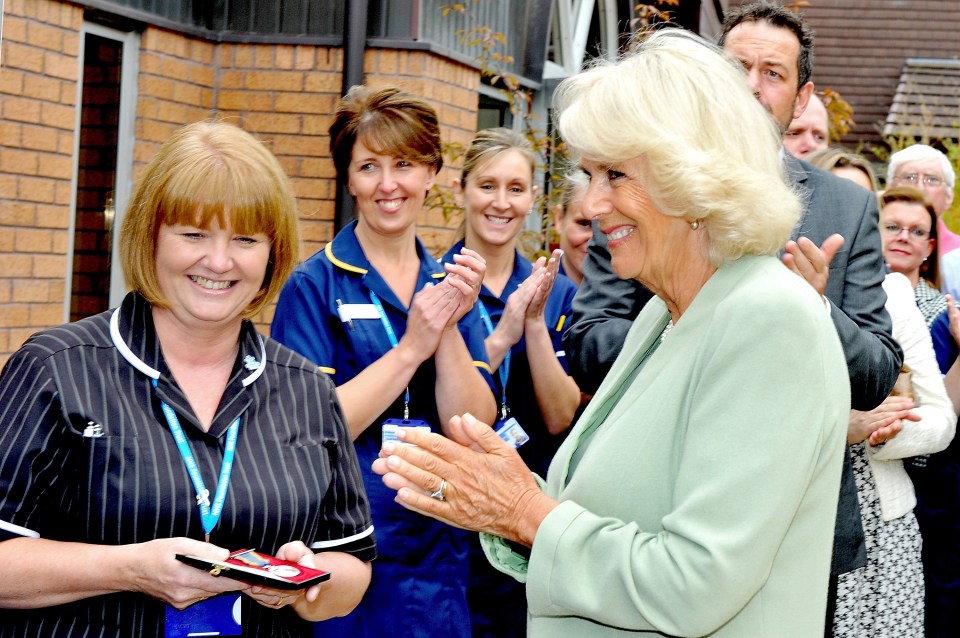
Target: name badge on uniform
350,311
389,429
217,616
511,432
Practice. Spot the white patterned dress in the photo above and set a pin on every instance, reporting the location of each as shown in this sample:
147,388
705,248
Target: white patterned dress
884,599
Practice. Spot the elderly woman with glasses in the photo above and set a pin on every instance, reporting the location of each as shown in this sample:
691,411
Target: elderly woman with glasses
701,470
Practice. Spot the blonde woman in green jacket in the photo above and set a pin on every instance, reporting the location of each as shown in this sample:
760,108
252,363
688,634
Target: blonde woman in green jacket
696,495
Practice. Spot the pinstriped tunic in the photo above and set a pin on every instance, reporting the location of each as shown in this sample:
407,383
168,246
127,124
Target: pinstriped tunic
295,475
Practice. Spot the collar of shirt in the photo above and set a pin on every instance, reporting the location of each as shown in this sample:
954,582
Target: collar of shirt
346,254
134,335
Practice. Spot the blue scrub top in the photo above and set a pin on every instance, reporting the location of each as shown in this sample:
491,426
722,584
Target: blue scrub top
420,576
521,400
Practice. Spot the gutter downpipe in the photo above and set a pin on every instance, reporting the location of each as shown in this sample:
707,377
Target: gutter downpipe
354,43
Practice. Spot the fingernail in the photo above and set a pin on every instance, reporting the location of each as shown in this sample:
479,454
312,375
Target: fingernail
389,448
468,418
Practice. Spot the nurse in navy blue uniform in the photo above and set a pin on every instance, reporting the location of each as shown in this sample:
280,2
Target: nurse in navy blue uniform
524,307
395,331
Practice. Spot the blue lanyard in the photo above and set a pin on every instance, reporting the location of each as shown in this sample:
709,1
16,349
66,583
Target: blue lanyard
504,368
392,336
208,515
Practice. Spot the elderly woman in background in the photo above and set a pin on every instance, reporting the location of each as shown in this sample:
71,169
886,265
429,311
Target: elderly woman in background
885,597
401,341
96,501
697,493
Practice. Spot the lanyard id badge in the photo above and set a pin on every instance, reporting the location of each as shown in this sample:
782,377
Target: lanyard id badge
217,616
507,427
209,514
389,426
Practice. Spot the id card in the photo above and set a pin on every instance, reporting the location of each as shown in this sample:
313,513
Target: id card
389,429
218,616
511,432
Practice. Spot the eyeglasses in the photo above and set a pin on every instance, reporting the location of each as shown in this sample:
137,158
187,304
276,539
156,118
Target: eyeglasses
915,178
918,234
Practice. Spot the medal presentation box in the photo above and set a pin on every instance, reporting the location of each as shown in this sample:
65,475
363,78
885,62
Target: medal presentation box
258,568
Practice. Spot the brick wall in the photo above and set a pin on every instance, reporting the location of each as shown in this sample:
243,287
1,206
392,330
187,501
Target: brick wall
37,120
285,94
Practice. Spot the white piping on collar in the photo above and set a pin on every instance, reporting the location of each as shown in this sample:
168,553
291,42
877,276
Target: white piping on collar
138,363
125,351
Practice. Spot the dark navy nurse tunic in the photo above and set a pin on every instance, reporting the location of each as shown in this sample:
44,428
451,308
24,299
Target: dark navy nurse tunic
498,602
420,576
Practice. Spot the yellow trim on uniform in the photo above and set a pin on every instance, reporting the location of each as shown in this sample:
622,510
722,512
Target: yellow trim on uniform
328,250
483,365
560,323
326,370
438,275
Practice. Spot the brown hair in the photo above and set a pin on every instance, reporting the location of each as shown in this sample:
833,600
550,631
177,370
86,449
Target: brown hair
206,171
389,122
832,157
930,269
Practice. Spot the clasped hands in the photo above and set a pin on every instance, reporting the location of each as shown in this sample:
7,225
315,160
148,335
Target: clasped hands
489,488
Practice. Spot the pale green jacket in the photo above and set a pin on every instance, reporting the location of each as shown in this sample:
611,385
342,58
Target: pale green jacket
704,500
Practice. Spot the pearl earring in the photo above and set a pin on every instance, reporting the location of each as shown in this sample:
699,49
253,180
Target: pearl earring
695,224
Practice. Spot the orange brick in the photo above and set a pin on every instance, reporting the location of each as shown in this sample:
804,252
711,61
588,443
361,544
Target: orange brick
48,216
179,114
39,138
283,56
151,63
232,80
65,142
271,123
244,101
27,290
14,28
32,240
263,57
309,188
46,314
323,83
243,56
63,193
44,36
300,103
61,242
60,66
154,86
15,265
58,115
10,134
58,290
19,56
18,214
305,58
11,81
175,68
387,62
300,145
202,75
37,189
318,167
19,336
6,237
329,59
71,43
188,94
8,188
15,316
51,165
317,124
275,80
6,292
18,162
49,266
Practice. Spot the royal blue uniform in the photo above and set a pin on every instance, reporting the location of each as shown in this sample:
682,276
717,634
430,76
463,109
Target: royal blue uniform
420,576
498,602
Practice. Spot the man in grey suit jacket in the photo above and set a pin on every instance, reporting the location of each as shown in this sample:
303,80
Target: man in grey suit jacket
775,48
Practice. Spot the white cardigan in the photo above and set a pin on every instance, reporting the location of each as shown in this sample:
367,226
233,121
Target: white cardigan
934,431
